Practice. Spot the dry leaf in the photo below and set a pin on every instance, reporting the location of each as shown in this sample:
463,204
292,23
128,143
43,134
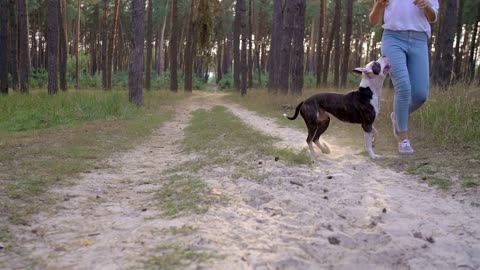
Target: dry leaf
86,243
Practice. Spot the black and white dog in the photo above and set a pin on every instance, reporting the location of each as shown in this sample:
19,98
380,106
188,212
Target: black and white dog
359,107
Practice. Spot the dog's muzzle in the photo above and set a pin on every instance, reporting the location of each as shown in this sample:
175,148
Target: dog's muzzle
386,69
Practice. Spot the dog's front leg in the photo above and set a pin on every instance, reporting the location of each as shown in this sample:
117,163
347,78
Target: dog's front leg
374,136
368,145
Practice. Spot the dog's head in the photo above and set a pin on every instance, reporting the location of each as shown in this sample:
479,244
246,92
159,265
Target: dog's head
374,72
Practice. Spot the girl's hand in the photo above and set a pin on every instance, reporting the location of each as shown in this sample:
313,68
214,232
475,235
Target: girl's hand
422,4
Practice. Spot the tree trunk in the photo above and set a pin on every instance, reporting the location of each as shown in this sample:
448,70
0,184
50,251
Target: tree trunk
162,42
336,20
189,51
243,56
298,37
24,57
447,34
227,56
104,44
174,47
111,44
347,48
250,44
77,50
135,73
338,47
3,47
275,46
236,47
52,47
321,38
148,66
458,57
13,38
62,38
286,46
219,61
473,47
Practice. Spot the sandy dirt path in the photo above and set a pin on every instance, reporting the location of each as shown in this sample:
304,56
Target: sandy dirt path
344,212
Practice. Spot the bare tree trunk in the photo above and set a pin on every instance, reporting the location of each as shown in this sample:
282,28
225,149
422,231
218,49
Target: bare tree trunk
227,55
24,57
111,44
243,56
336,20
219,61
3,47
275,46
173,45
13,46
473,46
189,49
321,40
250,44
148,67
298,38
338,47
104,44
135,73
347,48
236,47
161,43
62,23
77,50
52,47
446,39
458,58
286,47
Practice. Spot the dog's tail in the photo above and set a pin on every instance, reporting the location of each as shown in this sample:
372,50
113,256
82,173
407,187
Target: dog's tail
297,110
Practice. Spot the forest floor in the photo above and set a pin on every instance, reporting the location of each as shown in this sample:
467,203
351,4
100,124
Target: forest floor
342,212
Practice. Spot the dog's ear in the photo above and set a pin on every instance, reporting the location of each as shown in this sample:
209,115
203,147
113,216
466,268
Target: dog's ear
360,70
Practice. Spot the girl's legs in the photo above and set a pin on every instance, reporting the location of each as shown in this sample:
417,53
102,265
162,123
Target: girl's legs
418,69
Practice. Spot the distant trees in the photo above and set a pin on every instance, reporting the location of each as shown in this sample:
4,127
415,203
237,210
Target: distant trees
186,40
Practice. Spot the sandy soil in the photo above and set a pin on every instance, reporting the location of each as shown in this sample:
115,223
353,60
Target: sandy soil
343,212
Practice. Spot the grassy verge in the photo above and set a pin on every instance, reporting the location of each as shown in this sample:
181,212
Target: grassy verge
184,194
223,138
173,256
445,132
50,139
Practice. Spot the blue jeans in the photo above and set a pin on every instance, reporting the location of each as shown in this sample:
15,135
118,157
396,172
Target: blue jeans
407,52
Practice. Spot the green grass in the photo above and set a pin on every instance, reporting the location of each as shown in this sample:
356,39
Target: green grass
35,157
39,110
182,195
222,136
172,257
470,182
440,182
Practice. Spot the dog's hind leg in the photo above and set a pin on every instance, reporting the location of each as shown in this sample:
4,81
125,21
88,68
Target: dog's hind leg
312,130
322,126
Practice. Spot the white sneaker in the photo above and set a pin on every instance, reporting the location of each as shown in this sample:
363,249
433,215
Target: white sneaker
394,125
404,147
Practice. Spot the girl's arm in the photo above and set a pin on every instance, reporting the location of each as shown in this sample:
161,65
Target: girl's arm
376,15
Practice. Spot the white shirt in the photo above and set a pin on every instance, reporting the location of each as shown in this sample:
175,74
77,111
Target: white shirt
401,15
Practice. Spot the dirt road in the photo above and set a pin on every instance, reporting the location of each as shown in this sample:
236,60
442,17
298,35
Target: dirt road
344,212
